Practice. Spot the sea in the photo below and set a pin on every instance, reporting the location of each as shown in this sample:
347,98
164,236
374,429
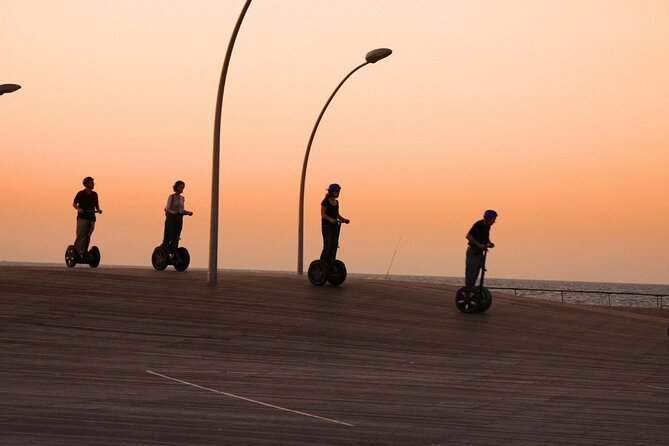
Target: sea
589,293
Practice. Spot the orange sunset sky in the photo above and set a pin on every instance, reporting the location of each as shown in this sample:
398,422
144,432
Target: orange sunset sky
554,113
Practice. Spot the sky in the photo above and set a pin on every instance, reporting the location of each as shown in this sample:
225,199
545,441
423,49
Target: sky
553,113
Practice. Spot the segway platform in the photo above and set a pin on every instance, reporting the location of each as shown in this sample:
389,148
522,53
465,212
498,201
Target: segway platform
161,259
72,257
474,299
320,271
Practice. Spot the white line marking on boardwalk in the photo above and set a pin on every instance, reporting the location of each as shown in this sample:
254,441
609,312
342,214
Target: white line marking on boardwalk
655,387
232,395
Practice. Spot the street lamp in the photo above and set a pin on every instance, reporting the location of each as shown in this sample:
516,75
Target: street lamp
213,229
371,57
8,88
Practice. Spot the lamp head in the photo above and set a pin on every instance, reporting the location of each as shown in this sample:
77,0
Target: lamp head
8,88
378,54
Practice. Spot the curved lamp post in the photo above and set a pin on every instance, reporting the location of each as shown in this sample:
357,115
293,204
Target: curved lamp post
371,57
213,229
8,88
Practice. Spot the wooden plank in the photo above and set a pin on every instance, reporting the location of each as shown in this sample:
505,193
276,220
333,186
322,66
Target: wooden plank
394,359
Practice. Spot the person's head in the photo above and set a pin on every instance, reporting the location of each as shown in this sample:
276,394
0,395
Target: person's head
333,190
88,182
490,216
179,186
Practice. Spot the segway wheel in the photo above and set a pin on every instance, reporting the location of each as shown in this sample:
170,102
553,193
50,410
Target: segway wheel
486,299
70,256
93,257
467,299
181,259
337,274
160,258
318,273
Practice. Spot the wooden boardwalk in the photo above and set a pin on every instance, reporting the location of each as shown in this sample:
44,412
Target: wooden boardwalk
116,356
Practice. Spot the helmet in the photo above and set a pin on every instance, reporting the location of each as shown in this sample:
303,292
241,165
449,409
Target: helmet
489,214
334,187
86,180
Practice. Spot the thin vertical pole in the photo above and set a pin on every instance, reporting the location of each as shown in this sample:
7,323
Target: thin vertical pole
212,275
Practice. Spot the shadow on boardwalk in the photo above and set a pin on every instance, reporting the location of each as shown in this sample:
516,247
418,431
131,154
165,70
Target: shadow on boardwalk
138,357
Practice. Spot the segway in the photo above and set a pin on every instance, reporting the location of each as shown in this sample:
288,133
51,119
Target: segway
162,258
72,257
472,299
92,257
321,271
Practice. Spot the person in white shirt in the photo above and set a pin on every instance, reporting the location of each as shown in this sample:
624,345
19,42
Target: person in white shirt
174,214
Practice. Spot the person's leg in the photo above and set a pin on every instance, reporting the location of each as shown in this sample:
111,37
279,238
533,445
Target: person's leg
335,243
80,241
89,232
472,266
178,226
170,233
166,234
329,240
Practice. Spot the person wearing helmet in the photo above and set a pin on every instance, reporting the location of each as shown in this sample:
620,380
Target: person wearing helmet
174,217
329,217
87,205
478,239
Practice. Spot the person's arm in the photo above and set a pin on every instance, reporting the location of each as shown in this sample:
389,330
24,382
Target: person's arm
324,216
97,207
185,211
75,204
344,219
475,242
168,207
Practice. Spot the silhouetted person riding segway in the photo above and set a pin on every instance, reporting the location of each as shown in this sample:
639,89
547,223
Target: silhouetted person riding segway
87,205
169,252
470,298
328,268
